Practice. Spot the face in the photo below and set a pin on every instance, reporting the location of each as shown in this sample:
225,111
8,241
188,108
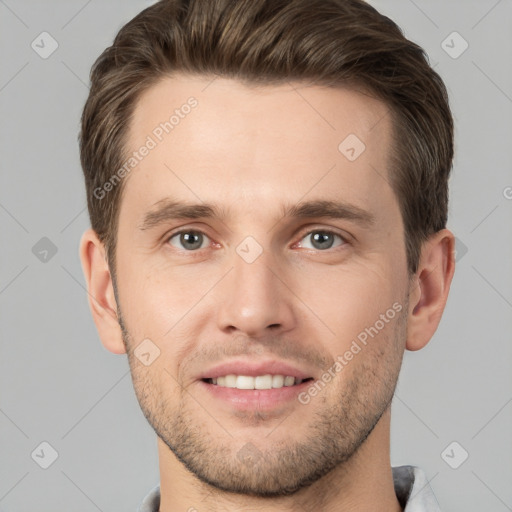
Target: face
254,241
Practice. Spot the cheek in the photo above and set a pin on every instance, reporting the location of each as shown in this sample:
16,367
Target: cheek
165,306
155,299
153,386
349,300
368,363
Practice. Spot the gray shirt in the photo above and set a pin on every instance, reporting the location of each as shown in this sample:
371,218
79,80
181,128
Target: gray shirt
411,487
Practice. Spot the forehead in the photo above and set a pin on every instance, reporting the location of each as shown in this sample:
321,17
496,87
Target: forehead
220,141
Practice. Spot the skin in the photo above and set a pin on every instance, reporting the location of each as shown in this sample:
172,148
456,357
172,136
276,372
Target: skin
252,150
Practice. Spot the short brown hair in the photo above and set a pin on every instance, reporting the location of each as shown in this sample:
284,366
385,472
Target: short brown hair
324,42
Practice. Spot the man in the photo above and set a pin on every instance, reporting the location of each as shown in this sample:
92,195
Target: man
267,188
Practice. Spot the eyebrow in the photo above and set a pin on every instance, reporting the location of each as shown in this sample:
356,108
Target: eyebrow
167,210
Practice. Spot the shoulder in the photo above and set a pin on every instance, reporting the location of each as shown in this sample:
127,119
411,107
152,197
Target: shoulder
151,502
413,490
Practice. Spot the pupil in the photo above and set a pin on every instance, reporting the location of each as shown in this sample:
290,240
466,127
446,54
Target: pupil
194,240
322,240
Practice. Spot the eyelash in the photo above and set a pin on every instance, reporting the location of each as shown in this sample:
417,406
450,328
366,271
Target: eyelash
303,235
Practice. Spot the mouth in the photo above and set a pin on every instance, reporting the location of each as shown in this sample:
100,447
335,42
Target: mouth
248,385
259,382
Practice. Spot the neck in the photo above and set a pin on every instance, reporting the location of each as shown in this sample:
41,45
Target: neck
363,483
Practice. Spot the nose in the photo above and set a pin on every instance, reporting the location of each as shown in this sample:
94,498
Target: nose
255,299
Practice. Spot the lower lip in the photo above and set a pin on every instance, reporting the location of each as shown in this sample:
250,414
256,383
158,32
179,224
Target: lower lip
261,399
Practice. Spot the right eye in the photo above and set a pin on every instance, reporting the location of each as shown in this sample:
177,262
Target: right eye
188,240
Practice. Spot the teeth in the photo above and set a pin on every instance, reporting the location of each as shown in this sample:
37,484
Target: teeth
260,382
289,381
278,381
244,382
230,381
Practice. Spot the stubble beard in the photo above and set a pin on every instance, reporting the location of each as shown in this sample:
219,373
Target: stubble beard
345,413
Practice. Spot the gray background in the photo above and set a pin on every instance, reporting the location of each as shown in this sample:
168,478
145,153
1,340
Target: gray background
59,385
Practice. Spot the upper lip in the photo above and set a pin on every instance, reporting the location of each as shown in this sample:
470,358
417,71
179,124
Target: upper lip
253,369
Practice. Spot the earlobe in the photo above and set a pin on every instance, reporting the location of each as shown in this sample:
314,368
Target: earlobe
429,290
100,292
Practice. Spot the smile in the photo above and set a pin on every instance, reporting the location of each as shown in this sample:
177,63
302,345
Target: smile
258,382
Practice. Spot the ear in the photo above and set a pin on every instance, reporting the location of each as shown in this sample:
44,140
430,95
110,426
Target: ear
100,291
429,288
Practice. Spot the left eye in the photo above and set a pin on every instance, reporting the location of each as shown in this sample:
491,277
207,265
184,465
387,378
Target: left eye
321,239
189,240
